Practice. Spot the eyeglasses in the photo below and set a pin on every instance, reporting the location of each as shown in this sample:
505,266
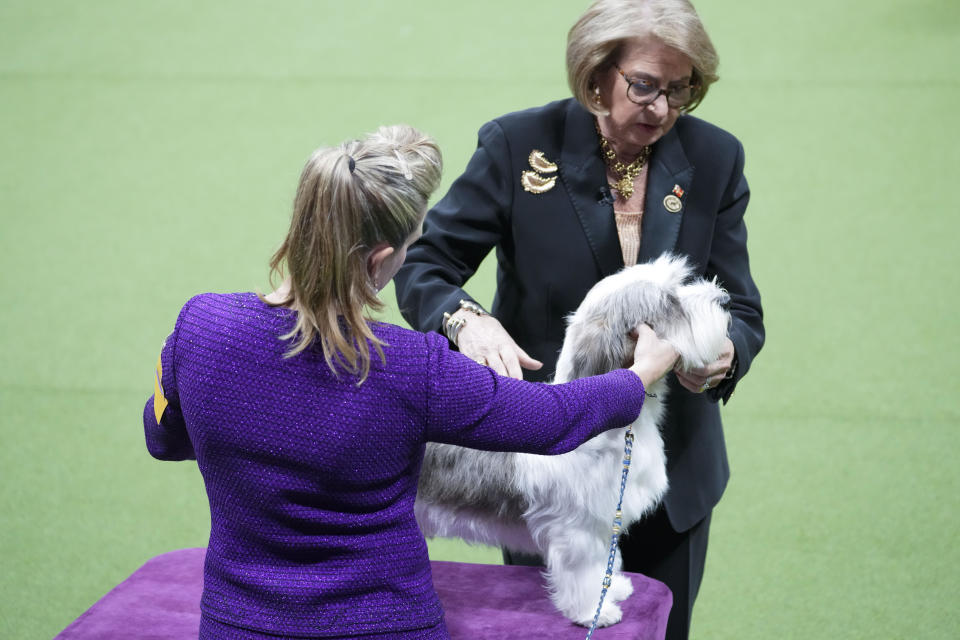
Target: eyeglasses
644,92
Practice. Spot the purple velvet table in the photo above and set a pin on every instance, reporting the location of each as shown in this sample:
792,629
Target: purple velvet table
161,601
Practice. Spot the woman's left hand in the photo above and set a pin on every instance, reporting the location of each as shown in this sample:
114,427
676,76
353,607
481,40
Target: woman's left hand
703,378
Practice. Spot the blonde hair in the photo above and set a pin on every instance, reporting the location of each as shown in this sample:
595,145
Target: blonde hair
597,37
351,198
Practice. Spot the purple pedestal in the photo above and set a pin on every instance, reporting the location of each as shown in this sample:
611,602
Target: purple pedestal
161,601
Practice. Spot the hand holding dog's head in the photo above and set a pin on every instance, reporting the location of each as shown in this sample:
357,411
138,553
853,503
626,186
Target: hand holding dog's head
652,356
689,316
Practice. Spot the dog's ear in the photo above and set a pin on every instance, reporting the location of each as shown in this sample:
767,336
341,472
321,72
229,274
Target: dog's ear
598,339
594,346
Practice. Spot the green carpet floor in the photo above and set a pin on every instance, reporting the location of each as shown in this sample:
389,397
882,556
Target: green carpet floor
149,151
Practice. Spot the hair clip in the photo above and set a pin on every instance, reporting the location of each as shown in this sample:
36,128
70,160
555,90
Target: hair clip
403,165
353,164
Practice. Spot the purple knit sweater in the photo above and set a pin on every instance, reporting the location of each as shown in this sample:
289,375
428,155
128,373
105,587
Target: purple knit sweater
311,479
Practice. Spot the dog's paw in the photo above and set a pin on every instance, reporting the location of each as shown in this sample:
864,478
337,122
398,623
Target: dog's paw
609,614
620,588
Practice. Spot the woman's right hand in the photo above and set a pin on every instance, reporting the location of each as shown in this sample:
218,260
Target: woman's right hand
652,357
485,340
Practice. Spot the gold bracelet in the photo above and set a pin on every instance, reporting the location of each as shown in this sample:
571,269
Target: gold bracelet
473,307
452,326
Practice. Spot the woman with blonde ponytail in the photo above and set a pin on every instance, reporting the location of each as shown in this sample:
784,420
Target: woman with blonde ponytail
308,419
355,209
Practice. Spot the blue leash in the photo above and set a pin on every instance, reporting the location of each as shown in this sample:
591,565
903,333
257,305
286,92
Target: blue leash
617,527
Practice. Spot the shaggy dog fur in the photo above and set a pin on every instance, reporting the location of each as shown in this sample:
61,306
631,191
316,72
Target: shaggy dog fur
562,507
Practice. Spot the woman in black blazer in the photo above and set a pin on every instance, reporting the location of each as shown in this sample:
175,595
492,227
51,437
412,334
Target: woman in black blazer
569,193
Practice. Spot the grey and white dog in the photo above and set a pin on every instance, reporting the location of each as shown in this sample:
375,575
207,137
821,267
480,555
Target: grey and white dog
562,507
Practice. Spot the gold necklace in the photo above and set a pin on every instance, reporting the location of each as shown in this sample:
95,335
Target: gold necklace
626,173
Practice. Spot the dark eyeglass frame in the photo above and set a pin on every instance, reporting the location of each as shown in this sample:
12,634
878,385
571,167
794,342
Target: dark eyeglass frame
691,99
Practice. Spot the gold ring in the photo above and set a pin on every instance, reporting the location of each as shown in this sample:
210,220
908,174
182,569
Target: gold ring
704,386
480,360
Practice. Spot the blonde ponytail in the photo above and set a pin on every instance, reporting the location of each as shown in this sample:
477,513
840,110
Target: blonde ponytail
350,199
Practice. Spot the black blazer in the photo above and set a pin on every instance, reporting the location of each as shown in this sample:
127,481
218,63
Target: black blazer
552,247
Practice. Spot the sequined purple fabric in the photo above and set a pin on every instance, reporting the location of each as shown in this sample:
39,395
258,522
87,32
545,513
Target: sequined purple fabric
311,479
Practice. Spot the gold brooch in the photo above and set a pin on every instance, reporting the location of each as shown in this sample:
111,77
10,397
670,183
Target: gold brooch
532,181
539,162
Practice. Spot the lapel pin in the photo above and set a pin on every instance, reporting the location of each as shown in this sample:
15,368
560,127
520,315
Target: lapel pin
672,202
